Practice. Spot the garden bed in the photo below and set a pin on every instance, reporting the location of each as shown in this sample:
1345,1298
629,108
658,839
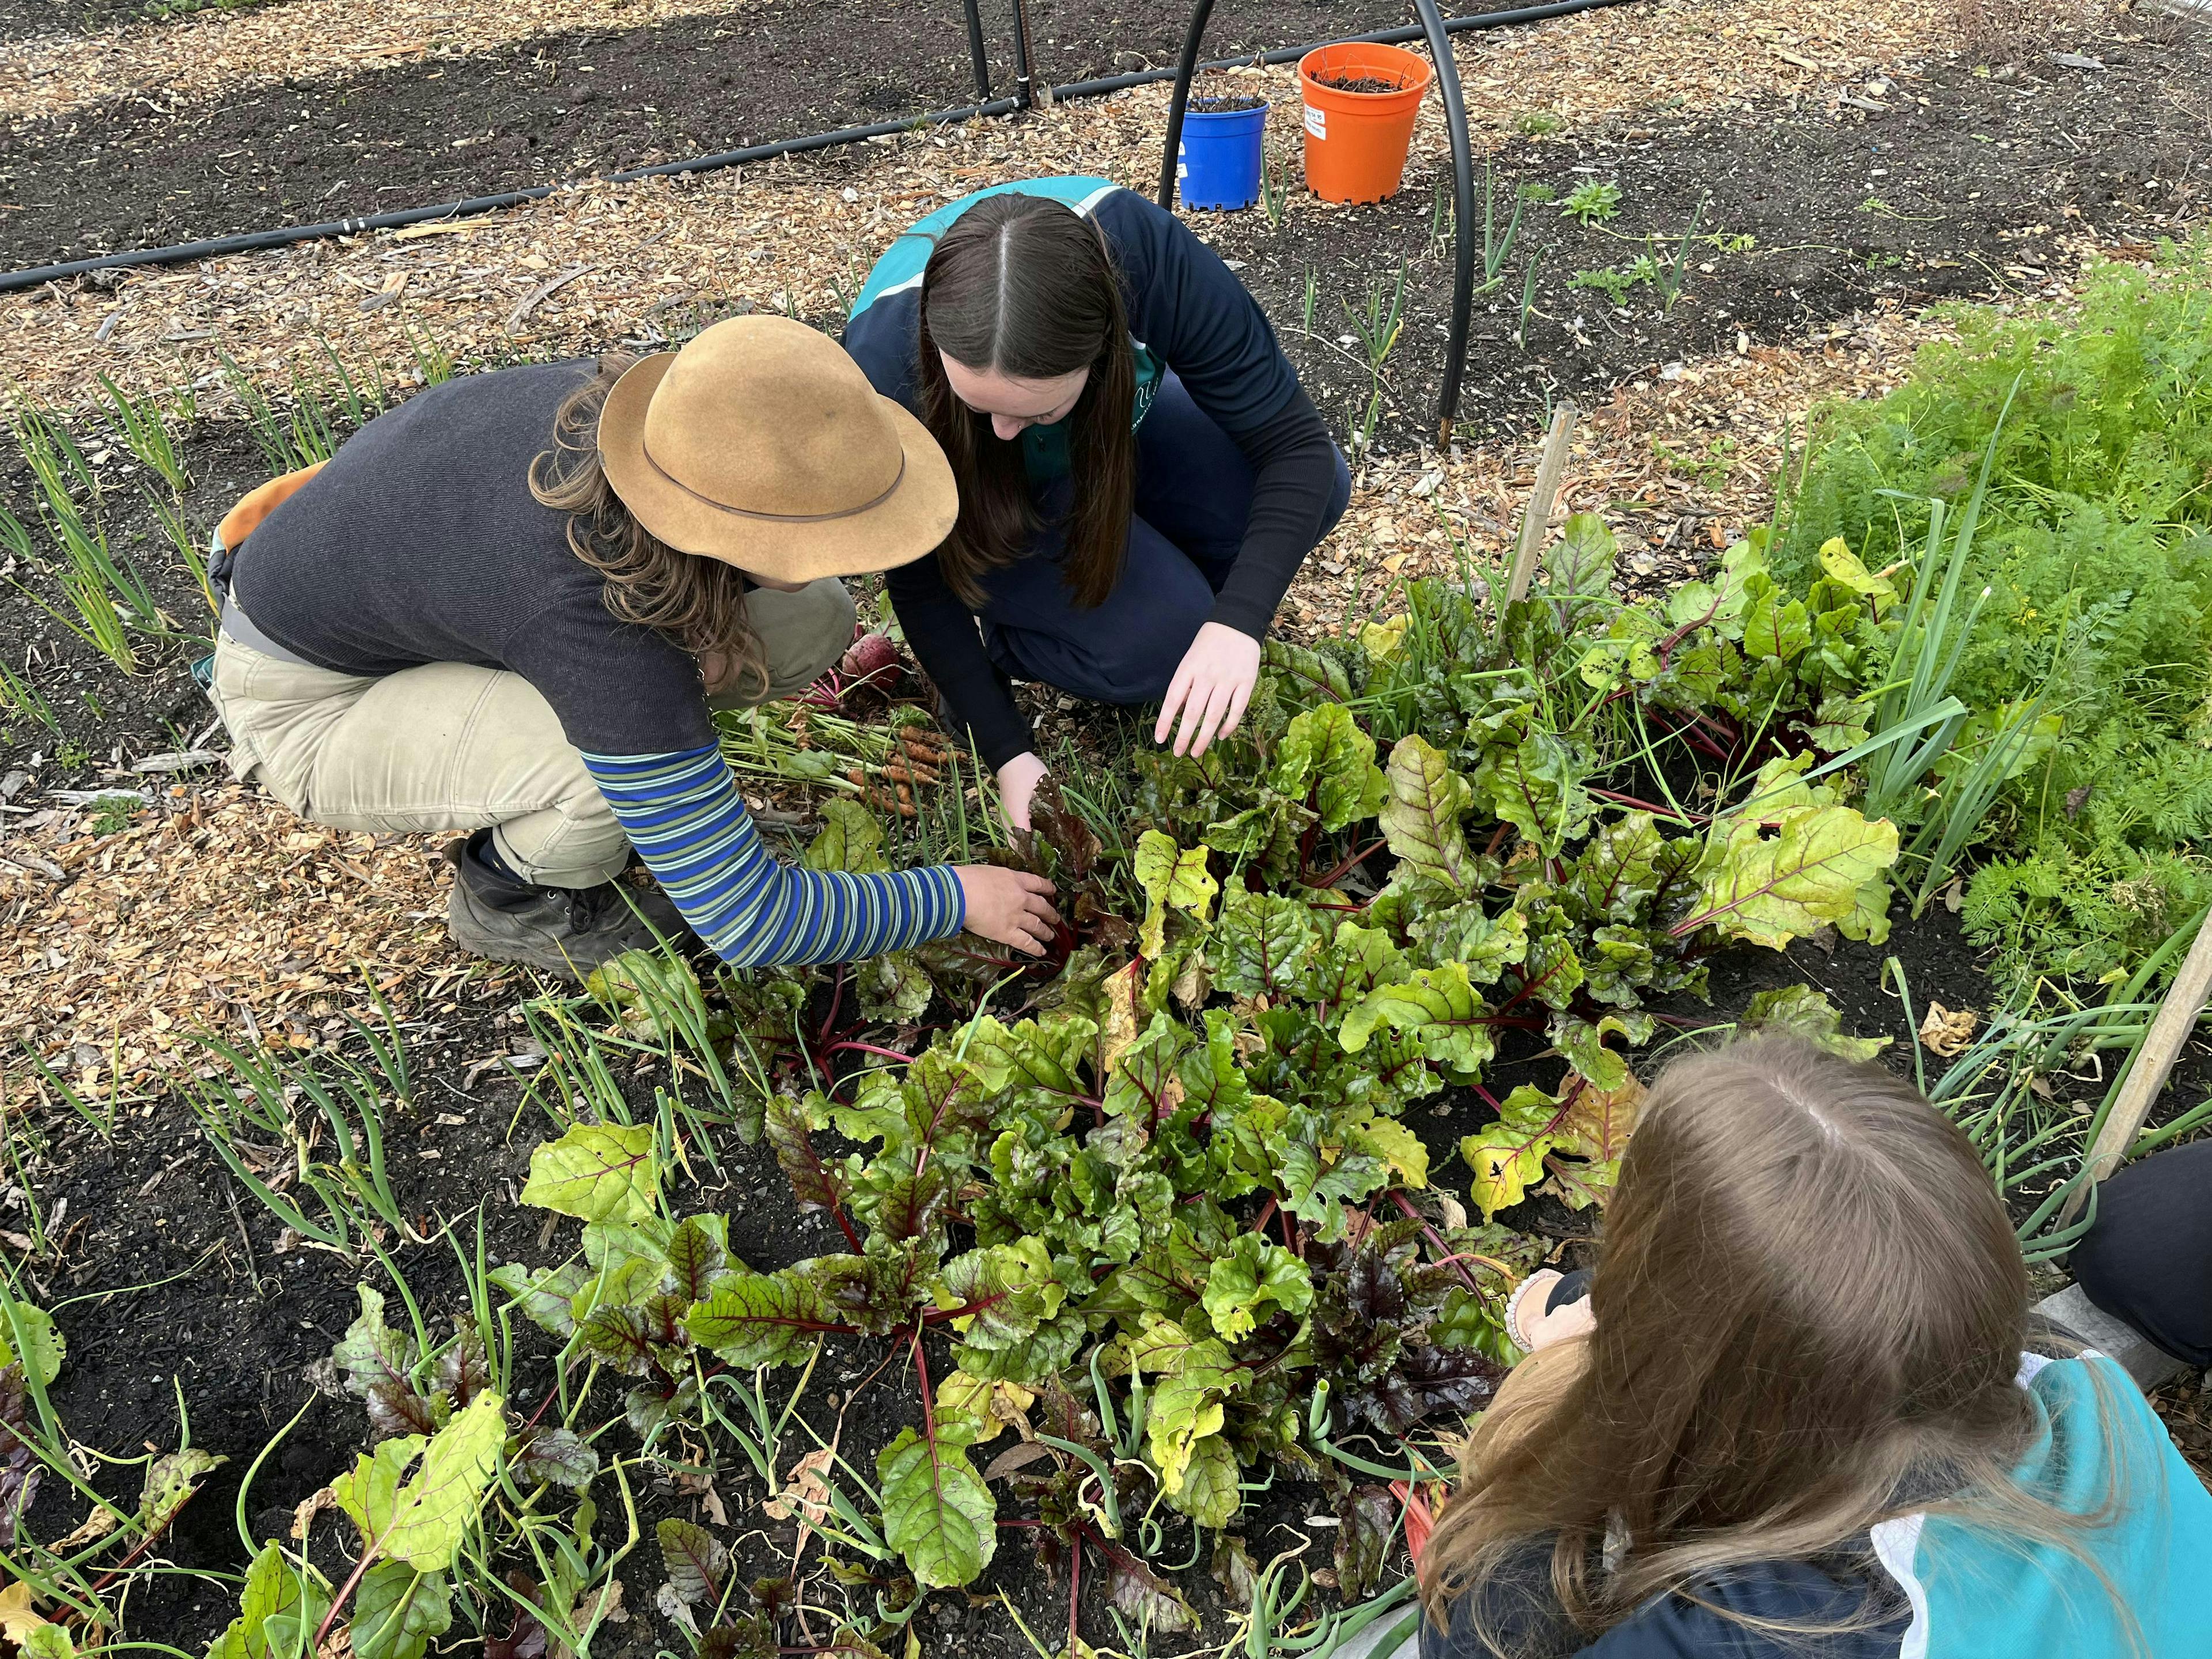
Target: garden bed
257,922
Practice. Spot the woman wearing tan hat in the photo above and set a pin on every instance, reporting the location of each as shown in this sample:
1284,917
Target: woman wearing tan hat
506,606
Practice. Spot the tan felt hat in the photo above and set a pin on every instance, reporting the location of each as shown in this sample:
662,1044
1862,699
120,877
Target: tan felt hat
761,443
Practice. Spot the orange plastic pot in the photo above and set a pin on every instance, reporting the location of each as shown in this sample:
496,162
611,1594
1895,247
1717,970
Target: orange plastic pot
1356,142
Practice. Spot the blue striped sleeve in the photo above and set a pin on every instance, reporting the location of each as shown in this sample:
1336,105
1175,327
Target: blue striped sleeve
683,814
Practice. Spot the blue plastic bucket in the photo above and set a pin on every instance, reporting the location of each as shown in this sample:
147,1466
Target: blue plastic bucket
1218,163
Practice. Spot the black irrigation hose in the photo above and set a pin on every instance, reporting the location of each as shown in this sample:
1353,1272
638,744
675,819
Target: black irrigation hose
258,240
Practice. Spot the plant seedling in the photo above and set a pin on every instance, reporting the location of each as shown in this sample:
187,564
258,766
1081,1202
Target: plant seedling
1593,202
1529,297
1669,280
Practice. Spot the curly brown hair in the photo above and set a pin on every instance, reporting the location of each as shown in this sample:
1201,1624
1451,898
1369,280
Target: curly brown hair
699,603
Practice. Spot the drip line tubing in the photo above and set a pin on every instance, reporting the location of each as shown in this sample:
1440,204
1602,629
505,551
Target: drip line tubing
260,240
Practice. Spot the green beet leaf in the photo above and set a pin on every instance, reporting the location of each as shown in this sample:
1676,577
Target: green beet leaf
1437,1009
1251,1284
44,1346
762,1319
1210,1494
397,1612
273,1593
1325,755
1770,888
850,840
421,1520
1536,785
1262,946
1421,819
938,1513
597,1171
1802,1011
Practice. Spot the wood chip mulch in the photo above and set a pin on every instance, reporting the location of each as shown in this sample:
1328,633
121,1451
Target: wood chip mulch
214,908
600,262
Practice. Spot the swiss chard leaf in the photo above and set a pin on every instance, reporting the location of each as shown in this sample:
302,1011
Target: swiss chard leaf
597,1171
1252,1284
938,1513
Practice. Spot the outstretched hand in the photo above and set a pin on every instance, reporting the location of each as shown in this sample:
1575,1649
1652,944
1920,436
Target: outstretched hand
1008,907
1211,687
1018,782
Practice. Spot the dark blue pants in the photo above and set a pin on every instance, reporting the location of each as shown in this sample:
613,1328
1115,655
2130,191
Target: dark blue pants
1194,496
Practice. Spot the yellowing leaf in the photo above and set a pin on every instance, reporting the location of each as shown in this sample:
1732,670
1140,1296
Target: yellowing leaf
43,1345
1396,1145
1173,879
993,1405
598,1172
421,1521
1843,565
17,1620
1504,1166
1771,889
1382,640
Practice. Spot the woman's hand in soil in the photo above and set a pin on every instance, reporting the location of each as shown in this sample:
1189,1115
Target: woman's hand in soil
1542,1329
1018,782
1008,907
1210,688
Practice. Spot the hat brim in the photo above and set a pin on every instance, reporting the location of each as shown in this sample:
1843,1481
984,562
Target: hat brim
909,522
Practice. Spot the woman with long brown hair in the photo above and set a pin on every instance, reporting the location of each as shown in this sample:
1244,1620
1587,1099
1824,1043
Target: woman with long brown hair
1794,1412
1140,475
508,606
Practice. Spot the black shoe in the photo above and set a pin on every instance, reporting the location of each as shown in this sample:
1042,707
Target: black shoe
565,930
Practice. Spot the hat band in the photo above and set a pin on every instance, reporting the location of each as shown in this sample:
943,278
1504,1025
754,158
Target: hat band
773,518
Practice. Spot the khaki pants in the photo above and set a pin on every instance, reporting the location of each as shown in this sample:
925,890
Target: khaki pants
449,747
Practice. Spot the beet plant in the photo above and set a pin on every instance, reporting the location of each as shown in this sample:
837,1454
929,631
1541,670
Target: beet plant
1155,1197
1178,1168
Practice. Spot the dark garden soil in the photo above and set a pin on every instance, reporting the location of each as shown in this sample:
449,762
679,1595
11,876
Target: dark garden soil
559,106
22,20
1805,218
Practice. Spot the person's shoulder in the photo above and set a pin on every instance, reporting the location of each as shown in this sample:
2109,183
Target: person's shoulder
1722,1618
1749,1614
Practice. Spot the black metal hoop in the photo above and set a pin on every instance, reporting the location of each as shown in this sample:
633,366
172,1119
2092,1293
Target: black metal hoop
1433,26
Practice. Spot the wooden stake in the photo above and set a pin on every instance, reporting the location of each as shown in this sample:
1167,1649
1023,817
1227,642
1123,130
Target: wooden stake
1549,472
2176,1018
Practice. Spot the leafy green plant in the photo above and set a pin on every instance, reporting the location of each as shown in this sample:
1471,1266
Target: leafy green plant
1615,282
107,596
2034,1143
20,696
250,1093
141,424
2092,423
1377,324
1528,296
1538,123
82,1580
1592,203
